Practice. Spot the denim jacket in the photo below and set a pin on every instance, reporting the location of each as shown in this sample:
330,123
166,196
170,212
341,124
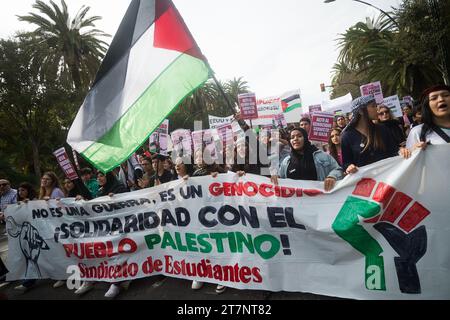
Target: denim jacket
325,164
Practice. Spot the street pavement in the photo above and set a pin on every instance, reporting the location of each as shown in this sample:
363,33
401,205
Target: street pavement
151,288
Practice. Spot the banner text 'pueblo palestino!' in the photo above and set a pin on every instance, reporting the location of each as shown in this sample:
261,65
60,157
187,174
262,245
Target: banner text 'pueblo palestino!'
382,233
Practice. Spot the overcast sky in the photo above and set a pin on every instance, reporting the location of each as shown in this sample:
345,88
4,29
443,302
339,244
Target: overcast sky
276,46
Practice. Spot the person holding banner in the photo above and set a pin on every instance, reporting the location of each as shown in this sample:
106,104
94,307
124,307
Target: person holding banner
26,193
204,169
436,119
109,185
7,196
89,181
306,162
364,142
146,164
50,190
76,189
161,175
386,119
183,167
50,187
242,163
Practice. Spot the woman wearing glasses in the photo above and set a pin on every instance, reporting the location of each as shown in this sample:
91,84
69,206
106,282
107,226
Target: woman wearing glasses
386,119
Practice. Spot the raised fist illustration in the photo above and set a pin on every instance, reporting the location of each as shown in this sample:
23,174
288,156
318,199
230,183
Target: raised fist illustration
31,244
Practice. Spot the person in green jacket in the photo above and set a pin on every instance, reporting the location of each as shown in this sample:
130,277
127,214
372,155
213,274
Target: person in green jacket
89,181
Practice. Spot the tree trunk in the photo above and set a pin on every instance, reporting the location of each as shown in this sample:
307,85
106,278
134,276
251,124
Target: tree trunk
75,76
36,161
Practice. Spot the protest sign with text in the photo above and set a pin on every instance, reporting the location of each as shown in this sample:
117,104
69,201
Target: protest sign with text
321,124
379,234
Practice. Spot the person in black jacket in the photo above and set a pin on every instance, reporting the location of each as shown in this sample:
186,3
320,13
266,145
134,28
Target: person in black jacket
242,163
161,175
76,189
364,142
204,169
386,119
109,184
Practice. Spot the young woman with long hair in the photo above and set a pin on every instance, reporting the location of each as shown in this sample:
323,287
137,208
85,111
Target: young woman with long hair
204,169
109,185
364,142
50,187
334,145
76,189
386,119
435,128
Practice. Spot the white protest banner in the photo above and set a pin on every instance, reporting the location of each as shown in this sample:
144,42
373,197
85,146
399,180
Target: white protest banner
65,163
182,141
373,88
381,233
321,124
214,121
267,109
393,103
288,103
339,105
247,104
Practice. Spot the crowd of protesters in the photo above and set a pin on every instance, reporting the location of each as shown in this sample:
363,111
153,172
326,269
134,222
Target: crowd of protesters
367,135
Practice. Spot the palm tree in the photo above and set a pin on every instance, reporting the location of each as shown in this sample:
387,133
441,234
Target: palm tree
405,60
208,100
75,48
235,87
356,40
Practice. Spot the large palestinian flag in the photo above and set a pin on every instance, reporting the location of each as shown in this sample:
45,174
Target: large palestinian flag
153,63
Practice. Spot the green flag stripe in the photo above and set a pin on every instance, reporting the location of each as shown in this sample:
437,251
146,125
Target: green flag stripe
294,106
180,79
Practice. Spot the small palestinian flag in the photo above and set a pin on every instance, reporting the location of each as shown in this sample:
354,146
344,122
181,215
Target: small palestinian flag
291,100
153,63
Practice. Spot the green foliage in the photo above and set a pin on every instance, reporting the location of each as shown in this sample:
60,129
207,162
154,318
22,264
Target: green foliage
207,100
31,120
75,49
44,77
406,59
